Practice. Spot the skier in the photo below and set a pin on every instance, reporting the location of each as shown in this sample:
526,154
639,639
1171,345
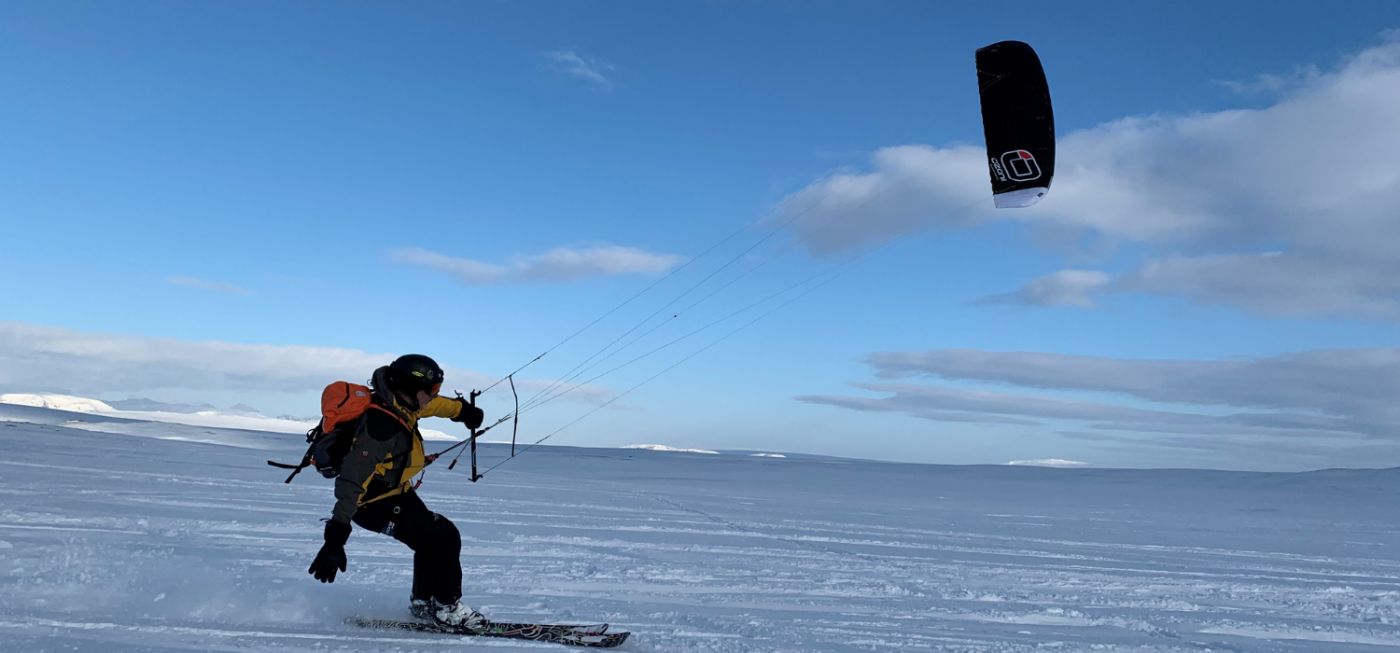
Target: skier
375,489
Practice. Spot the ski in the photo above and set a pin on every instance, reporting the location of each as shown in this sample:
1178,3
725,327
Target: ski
572,635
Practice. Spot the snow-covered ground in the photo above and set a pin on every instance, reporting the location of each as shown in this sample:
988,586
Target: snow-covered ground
120,535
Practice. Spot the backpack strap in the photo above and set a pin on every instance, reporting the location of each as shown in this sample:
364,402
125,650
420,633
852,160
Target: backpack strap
305,458
397,417
412,431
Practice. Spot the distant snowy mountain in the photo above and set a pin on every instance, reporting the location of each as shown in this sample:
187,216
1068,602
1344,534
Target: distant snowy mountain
57,402
1049,462
158,412
662,447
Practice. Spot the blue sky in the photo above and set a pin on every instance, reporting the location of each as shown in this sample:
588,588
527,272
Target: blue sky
237,202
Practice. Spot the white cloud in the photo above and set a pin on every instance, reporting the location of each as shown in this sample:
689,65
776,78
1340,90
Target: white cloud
1274,283
1063,288
1321,403
467,271
53,360
911,189
40,359
1310,178
559,264
590,69
1274,83
1357,383
203,284
945,404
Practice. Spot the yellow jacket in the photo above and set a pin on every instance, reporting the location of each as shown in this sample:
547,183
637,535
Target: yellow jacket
386,454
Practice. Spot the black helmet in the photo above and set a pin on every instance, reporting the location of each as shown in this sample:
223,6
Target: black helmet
413,372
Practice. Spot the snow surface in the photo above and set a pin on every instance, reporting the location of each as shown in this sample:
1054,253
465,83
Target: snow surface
144,540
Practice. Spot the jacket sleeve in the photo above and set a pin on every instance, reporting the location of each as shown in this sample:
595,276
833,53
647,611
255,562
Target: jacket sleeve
441,407
374,440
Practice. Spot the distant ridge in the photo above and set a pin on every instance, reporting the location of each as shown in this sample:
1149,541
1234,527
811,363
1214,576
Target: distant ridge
165,407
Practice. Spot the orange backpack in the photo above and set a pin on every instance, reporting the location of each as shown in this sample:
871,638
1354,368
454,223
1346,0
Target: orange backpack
342,403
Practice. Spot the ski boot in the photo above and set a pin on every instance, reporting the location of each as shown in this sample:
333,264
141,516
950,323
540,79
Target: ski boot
459,615
421,608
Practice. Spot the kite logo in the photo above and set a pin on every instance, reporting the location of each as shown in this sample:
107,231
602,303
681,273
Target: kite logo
1017,165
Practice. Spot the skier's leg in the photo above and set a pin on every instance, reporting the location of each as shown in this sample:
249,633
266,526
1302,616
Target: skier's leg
437,563
402,520
376,516
442,562
437,548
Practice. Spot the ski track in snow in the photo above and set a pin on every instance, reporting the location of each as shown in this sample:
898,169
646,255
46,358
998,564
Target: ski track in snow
112,543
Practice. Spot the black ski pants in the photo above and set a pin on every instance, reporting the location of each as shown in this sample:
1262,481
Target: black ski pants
436,544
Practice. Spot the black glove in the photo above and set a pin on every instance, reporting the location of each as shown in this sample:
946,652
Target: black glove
470,416
332,554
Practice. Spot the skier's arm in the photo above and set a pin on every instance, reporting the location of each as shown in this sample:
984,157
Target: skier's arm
373,443
456,409
440,406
